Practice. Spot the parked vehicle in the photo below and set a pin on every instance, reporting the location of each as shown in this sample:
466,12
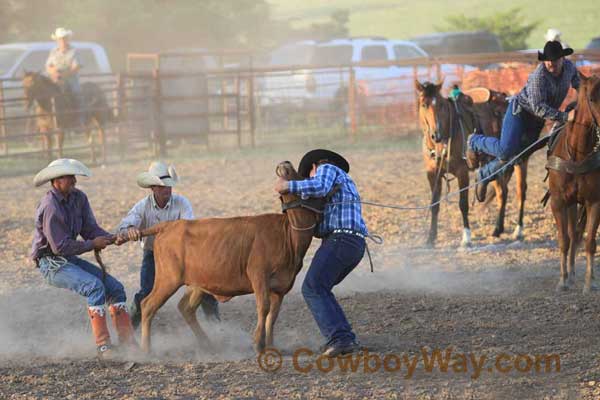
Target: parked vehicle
594,44
451,43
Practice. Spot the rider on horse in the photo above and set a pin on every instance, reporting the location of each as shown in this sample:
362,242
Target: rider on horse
539,100
63,68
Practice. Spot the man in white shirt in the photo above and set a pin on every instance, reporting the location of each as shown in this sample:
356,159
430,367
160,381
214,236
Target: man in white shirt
159,206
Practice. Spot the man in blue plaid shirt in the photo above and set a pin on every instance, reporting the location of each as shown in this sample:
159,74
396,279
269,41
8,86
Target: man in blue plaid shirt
525,117
343,233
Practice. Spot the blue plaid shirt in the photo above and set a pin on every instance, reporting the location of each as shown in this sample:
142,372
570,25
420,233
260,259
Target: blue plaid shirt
336,216
544,93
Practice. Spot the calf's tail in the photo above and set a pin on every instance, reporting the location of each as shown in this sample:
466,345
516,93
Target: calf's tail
153,230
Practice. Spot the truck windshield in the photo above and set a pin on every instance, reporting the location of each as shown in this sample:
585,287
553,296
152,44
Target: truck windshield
8,58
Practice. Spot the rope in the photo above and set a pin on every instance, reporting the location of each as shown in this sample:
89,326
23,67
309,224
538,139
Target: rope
448,195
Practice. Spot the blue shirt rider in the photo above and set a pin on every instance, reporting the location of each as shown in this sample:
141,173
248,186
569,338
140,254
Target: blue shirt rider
538,101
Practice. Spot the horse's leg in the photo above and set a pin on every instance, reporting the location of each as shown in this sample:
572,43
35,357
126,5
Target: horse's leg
275,306
560,216
501,188
91,143
46,142
593,211
572,231
521,183
463,181
60,139
187,306
435,183
101,140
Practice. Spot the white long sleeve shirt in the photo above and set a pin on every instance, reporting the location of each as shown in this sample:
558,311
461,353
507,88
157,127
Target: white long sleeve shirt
147,213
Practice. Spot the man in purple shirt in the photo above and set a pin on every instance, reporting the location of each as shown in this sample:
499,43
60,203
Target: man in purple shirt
63,215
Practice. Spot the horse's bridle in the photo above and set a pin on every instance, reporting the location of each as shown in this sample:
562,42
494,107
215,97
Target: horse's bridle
315,204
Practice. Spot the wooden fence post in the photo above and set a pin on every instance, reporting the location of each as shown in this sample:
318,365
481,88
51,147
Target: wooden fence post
238,111
120,115
251,106
3,142
352,102
416,108
160,148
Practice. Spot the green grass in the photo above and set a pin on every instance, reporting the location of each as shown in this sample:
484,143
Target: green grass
400,19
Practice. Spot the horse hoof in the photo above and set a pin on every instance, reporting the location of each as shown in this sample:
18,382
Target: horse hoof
497,232
518,233
561,287
590,288
466,245
430,244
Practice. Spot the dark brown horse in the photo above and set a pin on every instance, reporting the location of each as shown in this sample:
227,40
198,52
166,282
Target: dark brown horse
490,106
55,112
574,173
443,147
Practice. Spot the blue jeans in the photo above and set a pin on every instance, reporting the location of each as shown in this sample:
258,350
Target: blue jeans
338,255
83,278
517,131
146,278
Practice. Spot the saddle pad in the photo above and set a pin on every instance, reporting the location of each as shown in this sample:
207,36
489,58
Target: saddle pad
479,94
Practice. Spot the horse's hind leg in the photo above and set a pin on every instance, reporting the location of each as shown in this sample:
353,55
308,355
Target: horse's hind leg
521,182
91,143
593,211
187,306
102,142
501,188
463,182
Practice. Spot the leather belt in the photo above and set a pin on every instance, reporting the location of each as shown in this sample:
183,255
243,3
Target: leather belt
349,232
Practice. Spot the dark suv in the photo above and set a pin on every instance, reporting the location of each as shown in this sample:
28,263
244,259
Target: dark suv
594,44
450,43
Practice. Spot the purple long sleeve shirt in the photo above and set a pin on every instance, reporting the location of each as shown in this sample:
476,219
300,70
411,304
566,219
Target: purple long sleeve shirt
59,221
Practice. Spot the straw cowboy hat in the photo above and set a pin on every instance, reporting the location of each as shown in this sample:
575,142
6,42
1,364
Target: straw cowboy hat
159,174
61,167
314,156
61,32
552,34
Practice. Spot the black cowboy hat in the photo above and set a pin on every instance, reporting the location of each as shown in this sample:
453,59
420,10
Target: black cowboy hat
553,50
314,156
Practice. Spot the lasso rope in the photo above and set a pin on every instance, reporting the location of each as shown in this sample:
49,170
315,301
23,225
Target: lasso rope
449,194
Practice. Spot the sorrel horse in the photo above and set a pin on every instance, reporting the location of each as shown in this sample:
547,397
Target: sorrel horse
55,112
574,172
443,147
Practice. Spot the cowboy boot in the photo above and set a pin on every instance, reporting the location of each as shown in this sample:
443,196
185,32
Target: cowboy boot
97,316
122,324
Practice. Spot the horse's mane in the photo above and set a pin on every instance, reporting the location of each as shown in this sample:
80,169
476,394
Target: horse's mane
429,89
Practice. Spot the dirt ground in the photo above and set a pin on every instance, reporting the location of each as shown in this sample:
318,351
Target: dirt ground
493,302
